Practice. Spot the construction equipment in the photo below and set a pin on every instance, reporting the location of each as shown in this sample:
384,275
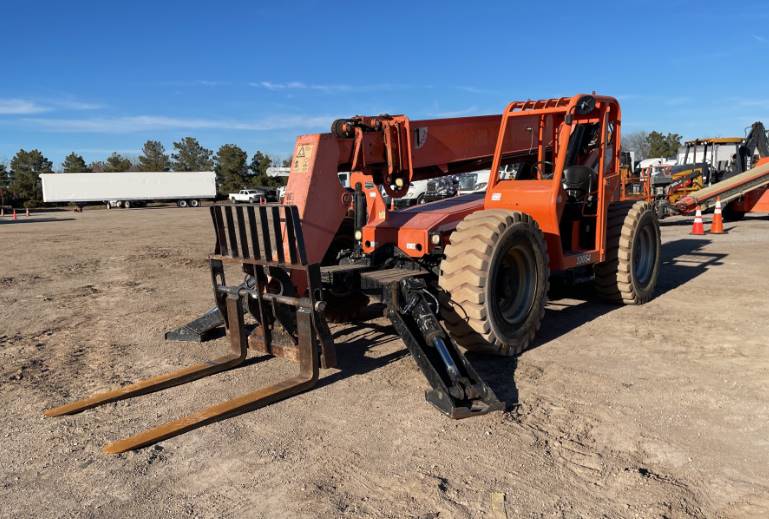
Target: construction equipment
721,159
749,184
464,273
753,148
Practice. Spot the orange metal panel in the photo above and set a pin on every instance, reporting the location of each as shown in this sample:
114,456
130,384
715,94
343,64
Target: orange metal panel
314,187
410,229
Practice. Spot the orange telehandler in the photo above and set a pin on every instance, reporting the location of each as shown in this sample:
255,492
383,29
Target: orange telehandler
465,273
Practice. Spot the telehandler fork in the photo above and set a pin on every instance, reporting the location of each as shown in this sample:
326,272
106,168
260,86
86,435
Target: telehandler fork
246,236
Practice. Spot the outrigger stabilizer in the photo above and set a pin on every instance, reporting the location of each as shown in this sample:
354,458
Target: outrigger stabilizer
281,287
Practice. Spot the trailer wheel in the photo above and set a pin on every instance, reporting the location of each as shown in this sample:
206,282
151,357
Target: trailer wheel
127,204
496,276
629,274
194,203
181,203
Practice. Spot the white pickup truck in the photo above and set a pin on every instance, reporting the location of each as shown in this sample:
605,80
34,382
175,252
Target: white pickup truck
250,196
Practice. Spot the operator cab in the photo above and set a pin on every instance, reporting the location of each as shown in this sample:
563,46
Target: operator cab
580,173
580,182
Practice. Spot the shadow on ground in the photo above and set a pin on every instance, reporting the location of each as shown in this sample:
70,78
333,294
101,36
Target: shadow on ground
24,219
568,309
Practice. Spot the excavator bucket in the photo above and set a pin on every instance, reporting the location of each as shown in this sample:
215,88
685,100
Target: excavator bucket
267,243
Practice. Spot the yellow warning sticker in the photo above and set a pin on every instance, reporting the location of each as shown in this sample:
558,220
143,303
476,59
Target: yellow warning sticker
302,158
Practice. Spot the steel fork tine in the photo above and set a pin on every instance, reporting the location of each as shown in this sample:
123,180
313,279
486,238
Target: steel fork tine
308,376
238,346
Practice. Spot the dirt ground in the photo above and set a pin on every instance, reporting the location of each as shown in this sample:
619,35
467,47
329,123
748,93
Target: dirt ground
659,410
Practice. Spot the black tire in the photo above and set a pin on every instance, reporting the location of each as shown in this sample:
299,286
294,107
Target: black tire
194,203
629,274
496,276
182,203
127,204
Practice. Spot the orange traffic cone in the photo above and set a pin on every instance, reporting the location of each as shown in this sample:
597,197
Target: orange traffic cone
14,215
698,228
717,227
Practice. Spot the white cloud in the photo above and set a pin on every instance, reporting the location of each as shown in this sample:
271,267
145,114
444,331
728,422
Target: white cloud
74,104
20,107
298,85
17,106
758,38
194,82
140,123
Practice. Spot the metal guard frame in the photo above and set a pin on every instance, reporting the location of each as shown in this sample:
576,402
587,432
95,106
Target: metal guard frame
265,239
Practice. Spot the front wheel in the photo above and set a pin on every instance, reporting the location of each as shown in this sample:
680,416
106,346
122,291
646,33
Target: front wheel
496,276
629,273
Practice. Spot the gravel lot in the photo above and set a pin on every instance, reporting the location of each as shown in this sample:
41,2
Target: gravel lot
659,410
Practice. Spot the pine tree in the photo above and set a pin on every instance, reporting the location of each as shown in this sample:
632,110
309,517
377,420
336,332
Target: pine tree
231,169
259,164
74,163
191,156
154,157
26,184
117,162
665,146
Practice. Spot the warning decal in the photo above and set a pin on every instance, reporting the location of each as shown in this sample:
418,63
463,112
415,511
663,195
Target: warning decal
302,157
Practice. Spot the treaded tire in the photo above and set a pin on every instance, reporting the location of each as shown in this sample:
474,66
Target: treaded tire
629,274
495,278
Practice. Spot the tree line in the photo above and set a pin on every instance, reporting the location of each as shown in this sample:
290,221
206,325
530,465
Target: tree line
652,144
20,182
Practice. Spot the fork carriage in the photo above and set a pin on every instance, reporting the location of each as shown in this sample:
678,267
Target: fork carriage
282,288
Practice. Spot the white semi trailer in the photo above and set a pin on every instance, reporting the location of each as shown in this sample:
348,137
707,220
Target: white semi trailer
127,190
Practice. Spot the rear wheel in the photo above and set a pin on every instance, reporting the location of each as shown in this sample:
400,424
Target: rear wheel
629,274
194,203
127,204
181,203
496,276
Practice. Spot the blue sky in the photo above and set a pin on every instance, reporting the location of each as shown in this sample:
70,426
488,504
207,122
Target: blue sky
97,77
